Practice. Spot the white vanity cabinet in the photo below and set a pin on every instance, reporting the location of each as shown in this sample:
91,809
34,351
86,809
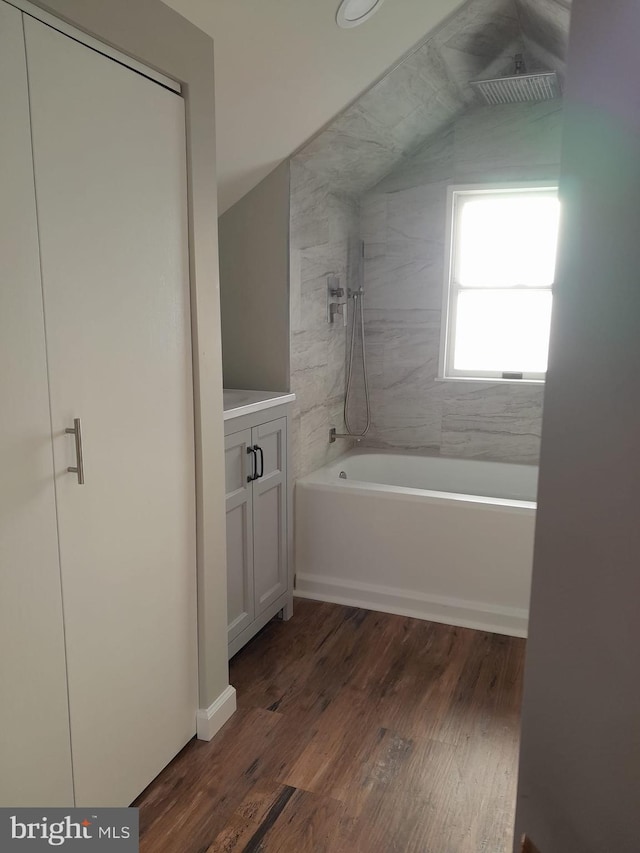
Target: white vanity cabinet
258,505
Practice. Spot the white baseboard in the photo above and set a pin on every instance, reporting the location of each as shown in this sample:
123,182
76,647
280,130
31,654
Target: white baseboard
451,611
210,720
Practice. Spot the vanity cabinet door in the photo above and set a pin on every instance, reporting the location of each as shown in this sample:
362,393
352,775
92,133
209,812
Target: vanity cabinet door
239,505
269,513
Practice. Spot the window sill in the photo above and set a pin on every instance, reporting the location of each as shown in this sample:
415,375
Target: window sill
490,380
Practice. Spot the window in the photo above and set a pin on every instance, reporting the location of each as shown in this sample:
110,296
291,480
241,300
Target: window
498,290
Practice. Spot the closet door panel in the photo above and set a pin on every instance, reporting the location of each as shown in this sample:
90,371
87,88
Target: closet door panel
110,170
35,757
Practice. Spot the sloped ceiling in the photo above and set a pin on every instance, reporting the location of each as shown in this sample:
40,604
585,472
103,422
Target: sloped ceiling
545,29
429,88
284,69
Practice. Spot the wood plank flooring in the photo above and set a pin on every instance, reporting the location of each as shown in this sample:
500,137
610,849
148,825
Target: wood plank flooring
356,732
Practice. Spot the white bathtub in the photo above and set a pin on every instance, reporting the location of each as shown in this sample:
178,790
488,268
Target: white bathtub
449,540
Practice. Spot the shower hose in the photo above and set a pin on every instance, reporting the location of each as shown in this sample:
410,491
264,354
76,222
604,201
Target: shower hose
357,301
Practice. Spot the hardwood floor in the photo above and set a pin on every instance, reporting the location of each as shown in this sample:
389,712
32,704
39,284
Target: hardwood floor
356,732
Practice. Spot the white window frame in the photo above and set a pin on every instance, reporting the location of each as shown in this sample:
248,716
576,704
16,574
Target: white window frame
451,288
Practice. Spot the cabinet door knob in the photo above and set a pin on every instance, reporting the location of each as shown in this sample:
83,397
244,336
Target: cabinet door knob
79,466
252,476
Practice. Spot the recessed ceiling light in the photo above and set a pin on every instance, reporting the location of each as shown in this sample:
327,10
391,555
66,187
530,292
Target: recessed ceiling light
354,12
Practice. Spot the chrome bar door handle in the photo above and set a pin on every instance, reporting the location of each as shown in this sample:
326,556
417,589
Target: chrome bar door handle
77,433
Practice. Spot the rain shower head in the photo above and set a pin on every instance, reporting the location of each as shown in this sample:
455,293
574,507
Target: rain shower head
519,89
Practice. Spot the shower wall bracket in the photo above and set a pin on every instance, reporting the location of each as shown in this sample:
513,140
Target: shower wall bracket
336,300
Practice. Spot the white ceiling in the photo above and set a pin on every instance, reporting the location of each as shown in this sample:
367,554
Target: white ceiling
284,69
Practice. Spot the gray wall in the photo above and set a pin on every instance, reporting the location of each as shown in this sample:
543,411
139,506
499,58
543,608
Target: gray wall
254,286
324,237
403,225
156,35
579,783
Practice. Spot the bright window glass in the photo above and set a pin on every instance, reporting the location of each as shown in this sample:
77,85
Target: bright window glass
499,296
502,331
507,241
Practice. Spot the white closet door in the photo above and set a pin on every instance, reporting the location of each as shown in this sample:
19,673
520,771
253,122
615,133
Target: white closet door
35,755
110,171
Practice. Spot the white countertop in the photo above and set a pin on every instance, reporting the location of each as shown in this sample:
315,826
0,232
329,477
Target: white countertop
238,402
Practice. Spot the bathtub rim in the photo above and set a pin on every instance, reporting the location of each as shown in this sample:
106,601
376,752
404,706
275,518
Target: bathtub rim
325,479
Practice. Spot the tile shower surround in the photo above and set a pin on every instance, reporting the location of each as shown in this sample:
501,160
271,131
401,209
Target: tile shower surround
429,88
323,240
421,127
402,221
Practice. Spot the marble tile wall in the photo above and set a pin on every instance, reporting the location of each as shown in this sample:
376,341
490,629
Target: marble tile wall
323,239
402,220
403,225
418,97
545,31
429,88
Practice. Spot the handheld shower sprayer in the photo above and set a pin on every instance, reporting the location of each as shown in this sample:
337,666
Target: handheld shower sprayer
358,303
